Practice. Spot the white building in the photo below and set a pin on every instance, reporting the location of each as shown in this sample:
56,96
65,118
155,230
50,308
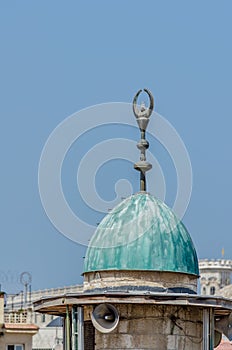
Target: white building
215,275
16,328
50,334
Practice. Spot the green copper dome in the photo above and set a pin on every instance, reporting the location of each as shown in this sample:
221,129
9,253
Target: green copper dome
141,233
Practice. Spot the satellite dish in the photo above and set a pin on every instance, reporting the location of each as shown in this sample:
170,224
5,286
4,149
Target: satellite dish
105,318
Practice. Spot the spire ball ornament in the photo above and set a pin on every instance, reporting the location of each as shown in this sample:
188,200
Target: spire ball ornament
142,115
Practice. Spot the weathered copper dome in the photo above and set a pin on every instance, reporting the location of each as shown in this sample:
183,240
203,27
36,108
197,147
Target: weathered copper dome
141,233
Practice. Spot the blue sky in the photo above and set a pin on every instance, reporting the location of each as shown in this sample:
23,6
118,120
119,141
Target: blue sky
60,57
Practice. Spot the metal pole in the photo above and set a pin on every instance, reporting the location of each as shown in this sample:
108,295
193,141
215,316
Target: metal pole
21,299
25,296
206,329
211,329
30,295
142,181
80,327
12,302
74,329
64,333
67,330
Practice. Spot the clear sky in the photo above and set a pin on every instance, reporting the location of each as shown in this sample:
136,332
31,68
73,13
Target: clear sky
59,57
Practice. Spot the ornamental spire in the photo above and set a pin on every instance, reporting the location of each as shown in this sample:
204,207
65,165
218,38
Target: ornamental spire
142,114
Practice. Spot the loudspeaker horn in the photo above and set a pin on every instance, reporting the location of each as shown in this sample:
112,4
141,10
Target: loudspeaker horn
105,318
224,325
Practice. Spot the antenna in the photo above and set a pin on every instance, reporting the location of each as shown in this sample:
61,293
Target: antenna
142,115
25,279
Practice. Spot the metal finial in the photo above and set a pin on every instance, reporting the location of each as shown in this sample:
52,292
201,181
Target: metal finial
142,114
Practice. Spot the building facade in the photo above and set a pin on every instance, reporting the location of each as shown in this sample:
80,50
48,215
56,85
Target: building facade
16,329
215,274
50,332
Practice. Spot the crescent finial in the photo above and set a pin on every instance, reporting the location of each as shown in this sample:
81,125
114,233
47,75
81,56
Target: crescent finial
142,111
142,114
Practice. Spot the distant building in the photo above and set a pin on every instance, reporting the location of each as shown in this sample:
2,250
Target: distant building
214,275
215,278
50,334
226,291
16,329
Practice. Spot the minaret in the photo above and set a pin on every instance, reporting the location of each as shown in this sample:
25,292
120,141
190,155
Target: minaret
142,115
140,279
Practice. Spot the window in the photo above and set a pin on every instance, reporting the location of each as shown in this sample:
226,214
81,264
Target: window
212,290
204,290
15,347
43,318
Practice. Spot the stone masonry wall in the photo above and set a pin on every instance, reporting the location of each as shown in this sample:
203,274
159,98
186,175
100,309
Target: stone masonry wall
153,327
